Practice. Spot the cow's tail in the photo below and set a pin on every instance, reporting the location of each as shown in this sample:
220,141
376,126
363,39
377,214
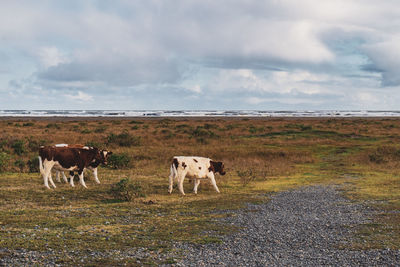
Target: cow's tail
41,165
172,175
173,171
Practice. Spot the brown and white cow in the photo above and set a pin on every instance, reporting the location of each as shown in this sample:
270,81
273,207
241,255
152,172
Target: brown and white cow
67,159
93,166
197,168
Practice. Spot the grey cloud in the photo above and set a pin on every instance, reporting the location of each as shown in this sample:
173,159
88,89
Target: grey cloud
119,72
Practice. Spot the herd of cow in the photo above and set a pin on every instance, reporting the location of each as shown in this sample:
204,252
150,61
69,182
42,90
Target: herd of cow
64,157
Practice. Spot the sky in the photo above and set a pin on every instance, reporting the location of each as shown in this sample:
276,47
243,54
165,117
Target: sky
205,54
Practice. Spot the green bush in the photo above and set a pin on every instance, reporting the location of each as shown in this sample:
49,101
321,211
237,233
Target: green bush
3,143
201,132
33,145
28,124
100,129
53,126
118,161
33,164
136,122
19,147
202,140
20,164
126,189
385,154
4,159
123,139
210,126
86,131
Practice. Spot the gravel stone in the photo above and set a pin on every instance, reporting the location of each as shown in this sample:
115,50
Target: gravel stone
302,227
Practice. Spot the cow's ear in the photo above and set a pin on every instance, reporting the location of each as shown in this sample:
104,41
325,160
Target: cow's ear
109,153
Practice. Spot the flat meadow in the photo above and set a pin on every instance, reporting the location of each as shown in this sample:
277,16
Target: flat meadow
131,208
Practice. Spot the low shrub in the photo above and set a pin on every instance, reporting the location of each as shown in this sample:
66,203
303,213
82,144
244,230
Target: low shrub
254,129
86,131
201,132
100,129
384,154
4,159
20,164
19,147
167,133
33,145
118,161
246,176
127,190
28,124
134,127
53,126
124,139
33,164
202,140
136,122
210,126
3,143
180,126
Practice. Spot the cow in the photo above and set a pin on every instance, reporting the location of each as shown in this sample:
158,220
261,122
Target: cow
197,168
93,165
67,159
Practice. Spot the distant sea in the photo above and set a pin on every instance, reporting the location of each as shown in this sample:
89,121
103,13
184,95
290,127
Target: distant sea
198,113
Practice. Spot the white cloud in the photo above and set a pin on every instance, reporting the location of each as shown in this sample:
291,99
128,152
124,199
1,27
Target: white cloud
83,97
195,88
51,56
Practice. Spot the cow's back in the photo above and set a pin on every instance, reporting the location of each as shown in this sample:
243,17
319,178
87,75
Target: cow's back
68,156
196,167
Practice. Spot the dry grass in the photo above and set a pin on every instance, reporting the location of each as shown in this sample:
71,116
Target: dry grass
261,155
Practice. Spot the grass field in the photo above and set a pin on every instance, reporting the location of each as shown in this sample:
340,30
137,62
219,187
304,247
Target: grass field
260,155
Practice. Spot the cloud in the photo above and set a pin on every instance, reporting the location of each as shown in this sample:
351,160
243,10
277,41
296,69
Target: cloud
256,50
51,56
385,58
83,97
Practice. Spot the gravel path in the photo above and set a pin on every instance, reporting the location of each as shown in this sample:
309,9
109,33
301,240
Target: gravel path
302,227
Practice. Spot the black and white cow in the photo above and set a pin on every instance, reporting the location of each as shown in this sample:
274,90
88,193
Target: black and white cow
197,168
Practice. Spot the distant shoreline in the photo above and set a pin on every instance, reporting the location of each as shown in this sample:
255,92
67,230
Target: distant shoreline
186,118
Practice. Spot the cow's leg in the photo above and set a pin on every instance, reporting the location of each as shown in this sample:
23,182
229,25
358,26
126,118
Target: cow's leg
64,177
58,176
96,178
71,178
47,165
181,178
196,185
171,180
51,181
80,173
212,179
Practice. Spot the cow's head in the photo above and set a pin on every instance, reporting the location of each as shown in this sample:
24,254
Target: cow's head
217,166
101,156
104,155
